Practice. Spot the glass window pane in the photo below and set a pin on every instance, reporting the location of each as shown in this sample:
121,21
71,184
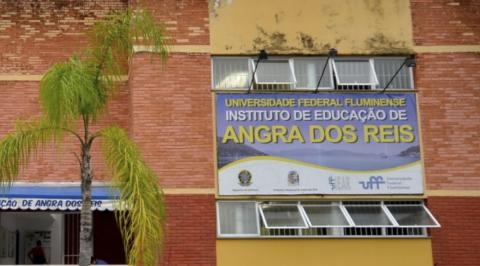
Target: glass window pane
354,72
308,72
274,71
282,216
408,215
230,73
368,215
385,68
237,218
325,216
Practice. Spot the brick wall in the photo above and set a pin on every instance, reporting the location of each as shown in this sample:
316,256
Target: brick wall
457,242
446,22
172,122
35,34
172,117
449,97
186,21
19,100
190,231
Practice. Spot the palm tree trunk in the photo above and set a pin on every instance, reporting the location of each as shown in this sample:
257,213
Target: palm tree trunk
86,222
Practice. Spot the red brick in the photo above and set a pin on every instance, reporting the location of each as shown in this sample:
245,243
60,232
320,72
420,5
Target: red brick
172,117
457,242
446,22
449,98
19,100
36,34
190,231
186,21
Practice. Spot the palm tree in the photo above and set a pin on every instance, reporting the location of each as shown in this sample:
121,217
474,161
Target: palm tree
76,92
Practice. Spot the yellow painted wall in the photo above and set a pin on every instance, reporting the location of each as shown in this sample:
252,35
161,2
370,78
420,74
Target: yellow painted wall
328,252
310,26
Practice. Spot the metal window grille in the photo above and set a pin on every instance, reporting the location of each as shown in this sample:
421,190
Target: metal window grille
363,231
298,219
282,216
412,215
237,218
369,215
354,72
316,232
324,216
230,73
72,241
410,231
285,74
386,68
309,70
274,71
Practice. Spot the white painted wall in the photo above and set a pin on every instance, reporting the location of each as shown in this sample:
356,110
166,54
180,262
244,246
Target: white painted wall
35,221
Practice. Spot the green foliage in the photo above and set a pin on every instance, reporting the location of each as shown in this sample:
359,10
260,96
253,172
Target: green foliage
78,90
113,39
141,212
70,90
80,86
17,147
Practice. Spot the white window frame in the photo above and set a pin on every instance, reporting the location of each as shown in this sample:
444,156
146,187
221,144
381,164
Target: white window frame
290,65
300,212
257,221
437,224
410,73
346,59
249,76
382,207
329,66
345,213
338,230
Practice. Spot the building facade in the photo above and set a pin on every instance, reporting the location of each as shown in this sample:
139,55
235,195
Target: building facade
173,111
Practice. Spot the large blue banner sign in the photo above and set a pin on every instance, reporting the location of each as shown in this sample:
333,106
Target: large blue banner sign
318,144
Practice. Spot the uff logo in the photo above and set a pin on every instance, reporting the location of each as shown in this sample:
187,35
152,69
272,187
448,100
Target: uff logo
373,182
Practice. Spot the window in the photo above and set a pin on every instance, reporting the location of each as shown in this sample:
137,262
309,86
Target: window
323,215
231,73
277,216
385,67
238,218
354,72
368,215
303,73
276,71
309,70
412,215
317,219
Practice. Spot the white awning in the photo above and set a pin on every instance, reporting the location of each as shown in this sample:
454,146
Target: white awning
40,197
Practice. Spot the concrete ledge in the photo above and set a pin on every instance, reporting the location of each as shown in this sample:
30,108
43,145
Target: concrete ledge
175,48
26,77
453,193
186,191
448,49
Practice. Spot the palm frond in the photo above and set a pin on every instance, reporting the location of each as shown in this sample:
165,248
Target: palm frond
69,90
141,212
17,147
144,30
113,39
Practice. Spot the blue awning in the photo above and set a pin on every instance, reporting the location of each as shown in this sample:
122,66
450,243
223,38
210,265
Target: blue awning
43,197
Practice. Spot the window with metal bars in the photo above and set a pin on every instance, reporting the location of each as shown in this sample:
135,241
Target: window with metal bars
324,219
303,74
